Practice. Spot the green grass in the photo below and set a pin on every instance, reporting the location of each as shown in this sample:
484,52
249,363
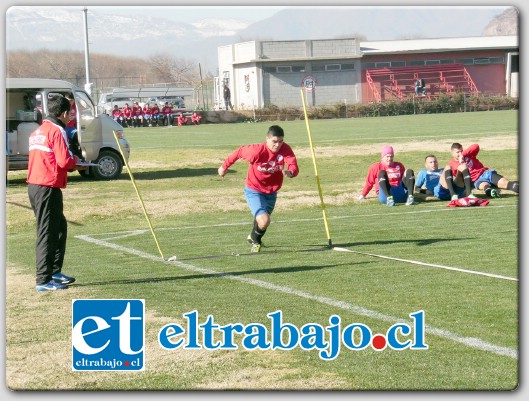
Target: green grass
203,220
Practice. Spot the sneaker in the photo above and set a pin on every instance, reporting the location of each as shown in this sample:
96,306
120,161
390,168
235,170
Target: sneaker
63,278
410,201
494,193
390,201
51,285
250,240
255,246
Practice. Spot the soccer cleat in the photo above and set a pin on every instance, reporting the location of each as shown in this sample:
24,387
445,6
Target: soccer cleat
455,197
51,285
410,201
63,278
390,201
256,247
494,193
472,196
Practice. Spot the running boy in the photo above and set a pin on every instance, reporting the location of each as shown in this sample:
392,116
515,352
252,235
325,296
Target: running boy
269,161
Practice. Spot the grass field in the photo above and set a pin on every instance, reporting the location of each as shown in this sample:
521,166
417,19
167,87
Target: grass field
459,265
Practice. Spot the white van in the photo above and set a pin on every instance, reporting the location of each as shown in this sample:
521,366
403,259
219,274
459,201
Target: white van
176,101
107,101
26,103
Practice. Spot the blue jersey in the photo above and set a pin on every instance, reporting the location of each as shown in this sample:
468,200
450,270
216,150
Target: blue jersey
429,178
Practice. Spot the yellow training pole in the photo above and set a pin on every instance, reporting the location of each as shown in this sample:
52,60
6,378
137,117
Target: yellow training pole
316,169
138,193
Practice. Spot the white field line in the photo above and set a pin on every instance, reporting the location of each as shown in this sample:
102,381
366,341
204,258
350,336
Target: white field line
125,234
415,262
471,342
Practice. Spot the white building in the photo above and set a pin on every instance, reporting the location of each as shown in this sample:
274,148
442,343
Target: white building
259,73
273,72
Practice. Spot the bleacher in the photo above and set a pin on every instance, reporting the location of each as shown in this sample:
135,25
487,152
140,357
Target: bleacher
398,83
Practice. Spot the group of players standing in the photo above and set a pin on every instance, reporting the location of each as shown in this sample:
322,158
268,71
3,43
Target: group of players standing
151,116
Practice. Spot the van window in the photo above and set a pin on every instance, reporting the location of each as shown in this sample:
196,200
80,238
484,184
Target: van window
85,107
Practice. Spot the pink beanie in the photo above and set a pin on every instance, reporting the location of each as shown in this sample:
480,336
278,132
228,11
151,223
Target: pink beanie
386,150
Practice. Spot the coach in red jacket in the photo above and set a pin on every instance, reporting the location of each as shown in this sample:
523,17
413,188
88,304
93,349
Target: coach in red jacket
269,161
49,162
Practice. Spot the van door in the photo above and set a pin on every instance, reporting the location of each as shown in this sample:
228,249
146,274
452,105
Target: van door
88,126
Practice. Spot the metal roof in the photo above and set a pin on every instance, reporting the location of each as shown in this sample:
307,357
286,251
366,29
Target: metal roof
38,83
152,92
440,44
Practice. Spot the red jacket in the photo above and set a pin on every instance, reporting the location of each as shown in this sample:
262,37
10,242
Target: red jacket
475,167
73,117
395,174
49,156
265,173
167,109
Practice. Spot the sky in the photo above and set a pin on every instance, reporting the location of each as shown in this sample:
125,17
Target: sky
193,13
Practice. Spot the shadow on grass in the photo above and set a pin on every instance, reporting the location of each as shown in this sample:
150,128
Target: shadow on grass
178,173
419,242
139,175
275,270
29,208
72,179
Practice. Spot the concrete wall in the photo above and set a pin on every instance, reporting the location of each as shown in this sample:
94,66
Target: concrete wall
335,47
331,87
250,86
283,49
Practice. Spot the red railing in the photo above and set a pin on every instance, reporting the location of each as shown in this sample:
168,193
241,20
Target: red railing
399,82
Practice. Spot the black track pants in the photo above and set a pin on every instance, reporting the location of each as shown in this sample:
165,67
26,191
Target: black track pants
47,205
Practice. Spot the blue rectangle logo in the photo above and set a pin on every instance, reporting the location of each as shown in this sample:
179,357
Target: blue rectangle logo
108,334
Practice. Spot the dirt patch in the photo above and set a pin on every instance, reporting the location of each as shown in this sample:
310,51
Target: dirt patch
504,142
40,324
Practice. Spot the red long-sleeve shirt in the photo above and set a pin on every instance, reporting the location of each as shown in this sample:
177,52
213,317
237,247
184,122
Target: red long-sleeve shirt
265,173
395,174
475,167
49,156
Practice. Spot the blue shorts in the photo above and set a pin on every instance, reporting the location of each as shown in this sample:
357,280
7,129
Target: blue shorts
399,193
485,177
444,194
260,203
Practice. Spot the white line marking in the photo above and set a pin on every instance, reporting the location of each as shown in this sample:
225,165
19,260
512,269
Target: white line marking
248,223
467,341
415,262
126,234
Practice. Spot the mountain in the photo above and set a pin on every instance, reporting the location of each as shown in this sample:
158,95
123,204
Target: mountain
504,24
373,23
58,28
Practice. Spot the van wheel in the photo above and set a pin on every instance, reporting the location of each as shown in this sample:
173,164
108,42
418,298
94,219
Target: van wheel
109,166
